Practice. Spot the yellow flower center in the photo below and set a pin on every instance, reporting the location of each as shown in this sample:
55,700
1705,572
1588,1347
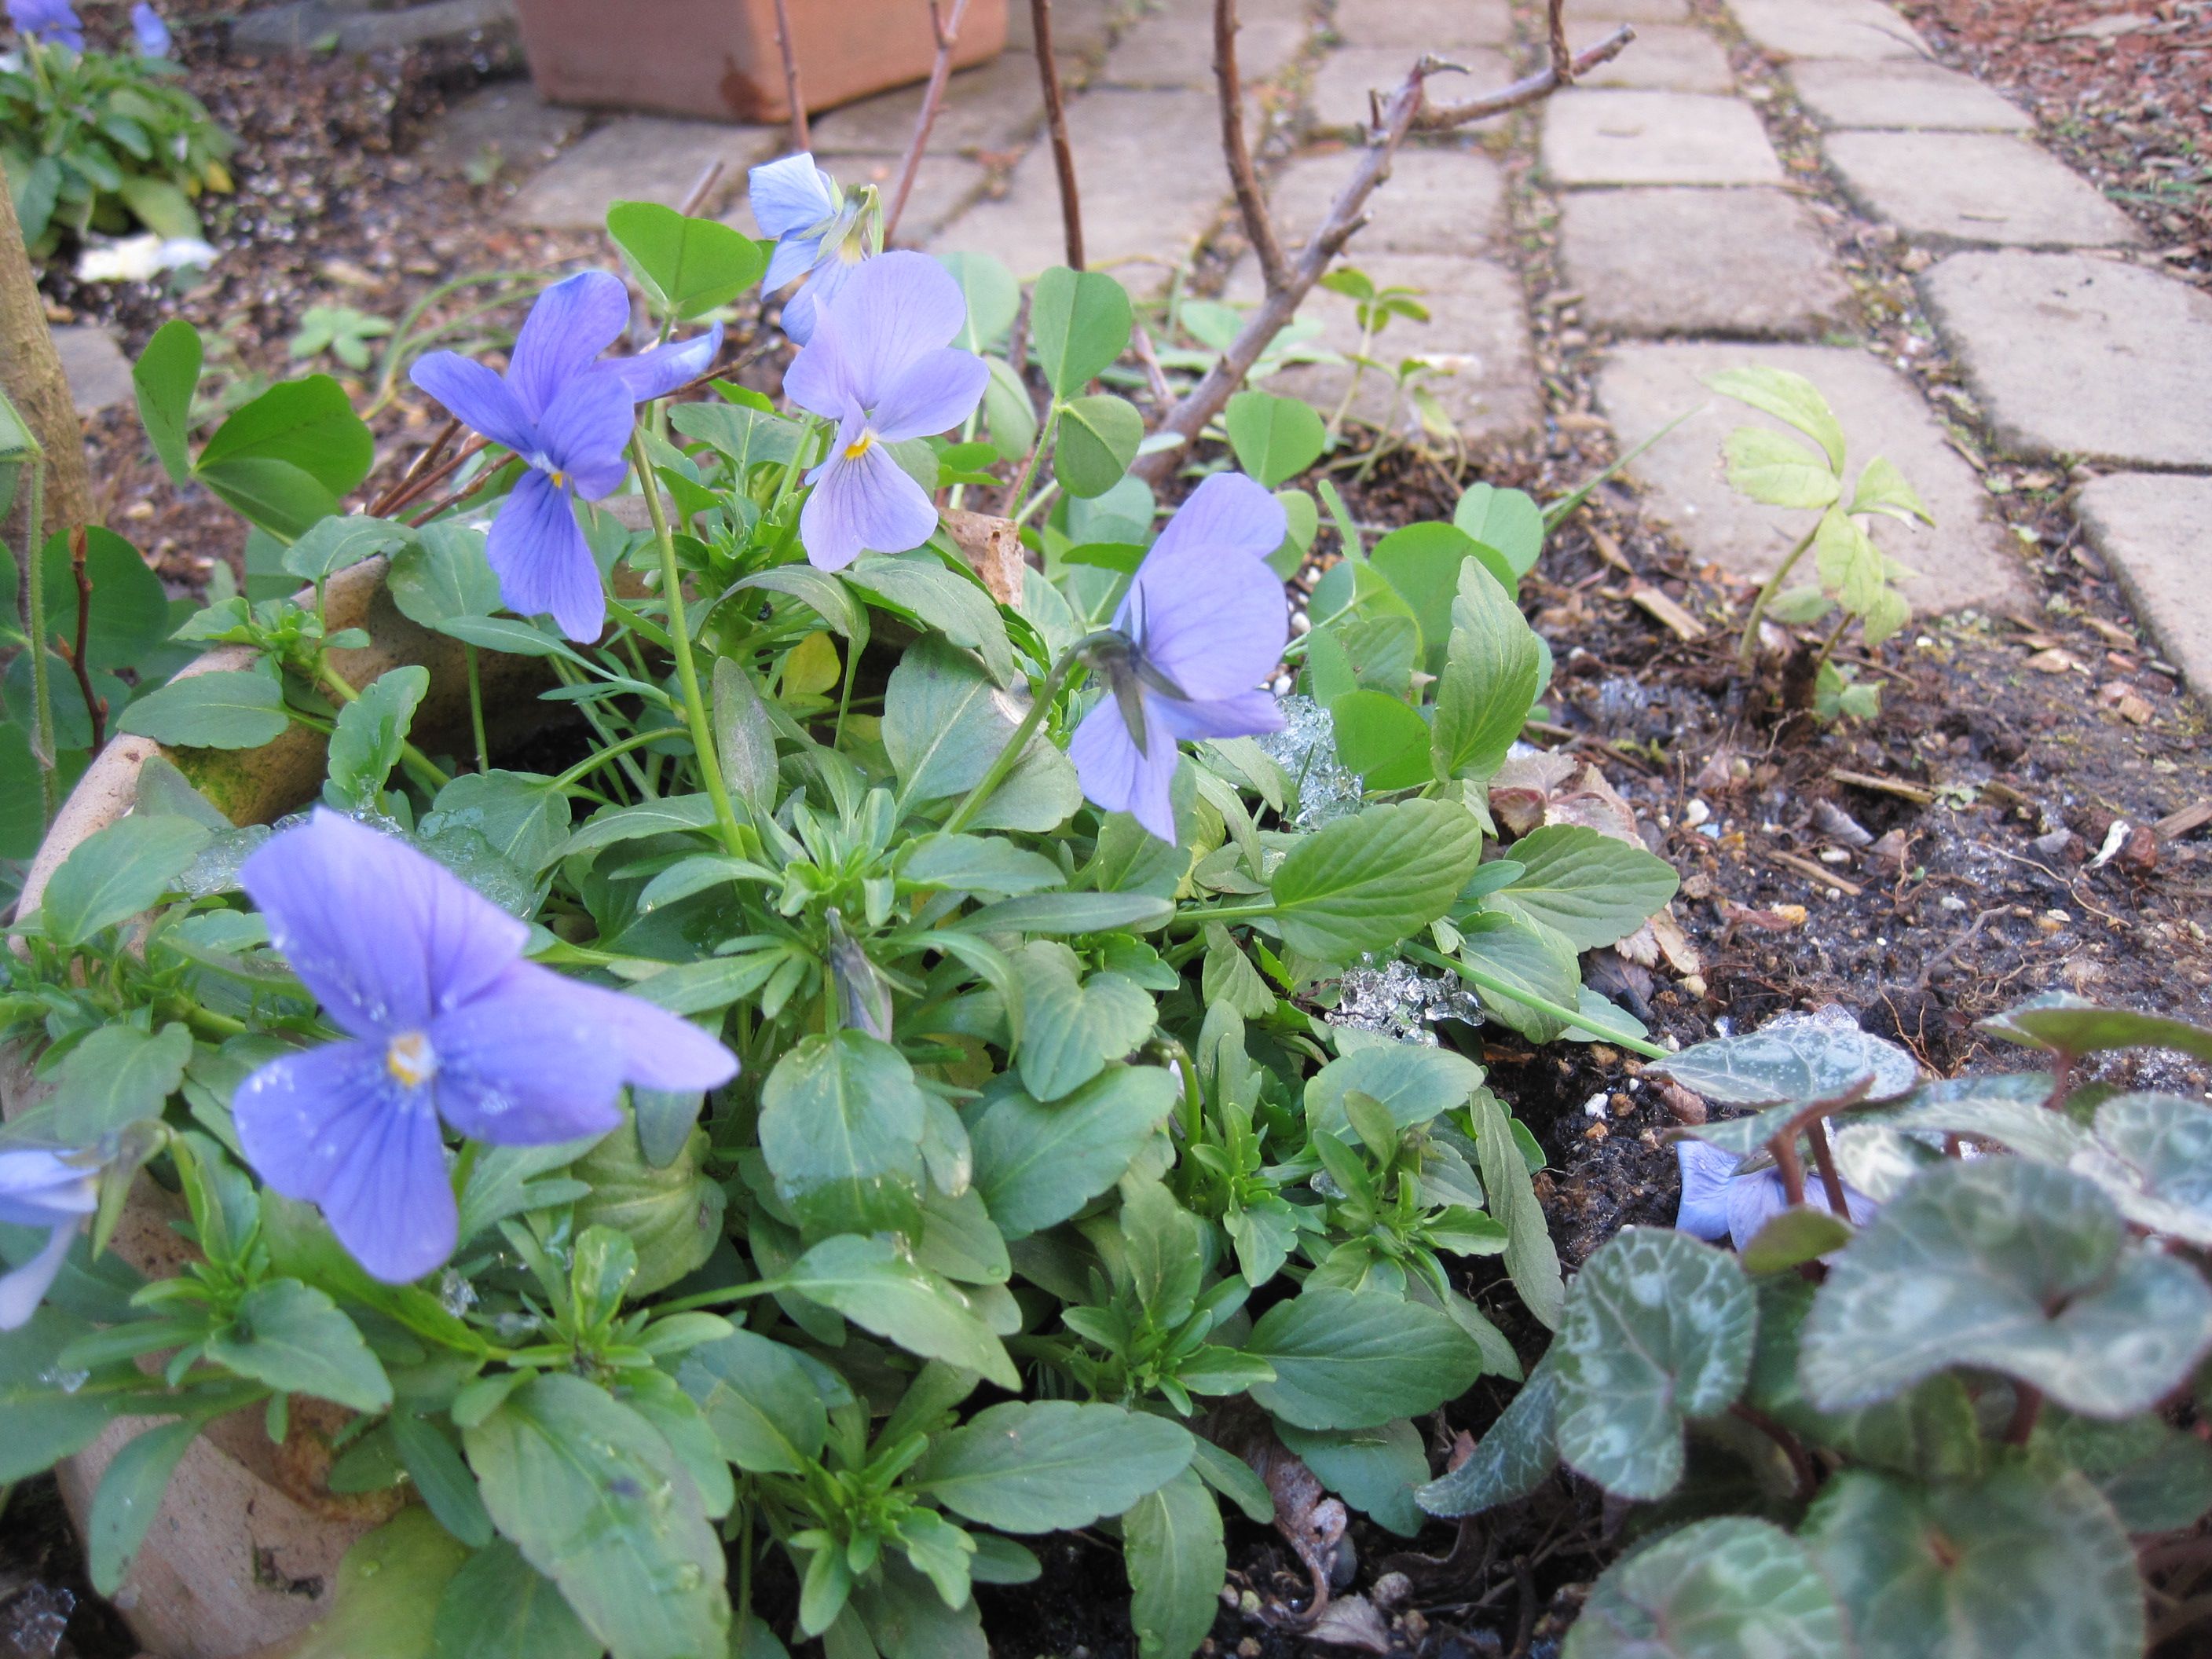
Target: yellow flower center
560,479
860,446
410,1060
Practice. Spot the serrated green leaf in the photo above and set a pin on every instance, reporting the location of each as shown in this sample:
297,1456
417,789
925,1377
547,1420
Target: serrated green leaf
1531,1260
1587,887
1787,396
229,709
1882,489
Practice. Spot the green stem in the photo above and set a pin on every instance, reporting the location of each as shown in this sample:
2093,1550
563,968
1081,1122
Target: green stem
599,757
1573,1017
425,771
35,622
476,708
1749,646
977,798
727,1293
1030,466
1225,913
687,672
1045,493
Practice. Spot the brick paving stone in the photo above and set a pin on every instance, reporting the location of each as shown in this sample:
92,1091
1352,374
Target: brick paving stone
1478,329
1861,29
1079,27
1966,559
1609,137
1174,46
1423,25
506,117
1663,57
1949,189
1735,263
1148,169
2151,529
99,374
637,158
1435,201
1341,85
2072,355
995,106
1611,12
1898,93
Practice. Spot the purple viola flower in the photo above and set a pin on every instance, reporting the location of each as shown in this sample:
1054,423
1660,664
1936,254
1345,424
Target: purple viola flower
445,1020
1204,621
881,365
567,414
42,1188
49,22
1717,1203
820,233
153,33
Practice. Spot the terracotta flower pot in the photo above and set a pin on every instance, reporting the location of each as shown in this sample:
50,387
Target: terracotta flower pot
719,59
244,1551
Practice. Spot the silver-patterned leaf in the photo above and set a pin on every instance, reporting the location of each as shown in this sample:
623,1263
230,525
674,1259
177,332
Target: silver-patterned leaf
1794,1058
1511,1460
1734,1587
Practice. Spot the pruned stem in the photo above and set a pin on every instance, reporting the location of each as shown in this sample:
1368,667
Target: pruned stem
1055,114
946,27
392,497
791,94
1259,226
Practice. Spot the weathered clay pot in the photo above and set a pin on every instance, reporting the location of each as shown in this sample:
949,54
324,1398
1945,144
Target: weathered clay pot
244,1551
719,59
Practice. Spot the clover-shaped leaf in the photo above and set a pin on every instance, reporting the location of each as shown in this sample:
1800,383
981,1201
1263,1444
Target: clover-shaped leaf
1658,1328
2027,1560
1729,1589
2011,1266
1793,1057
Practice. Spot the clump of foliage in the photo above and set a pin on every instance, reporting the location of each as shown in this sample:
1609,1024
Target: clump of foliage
101,141
1055,1130
1951,1429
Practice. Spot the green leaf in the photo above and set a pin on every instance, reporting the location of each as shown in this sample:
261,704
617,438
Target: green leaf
2026,1560
1275,438
1492,669
1513,1459
595,1499
1531,1261
22,814
2157,1478
1079,324
1793,1059
520,814
1349,1359
744,736
117,1076
841,1122
1366,882
333,543
1422,564
2009,1267
686,266
45,1424
1070,1030
1411,1082
160,205
1787,396
1376,1470
1799,1234
760,1401
1507,520
1008,415
371,729
1070,915
1734,1587
1882,489
749,437
1771,467
229,709
390,1586
130,620
1383,739
671,1212
166,375
443,1479
285,459
945,723
499,1606
994,298
653,817
129,1494
2066,1024
442,574
979,864
1658,1328
1587,887
867,1281
1036,1165
1098,439
956,605
292,1338
1048,1466
1172,1548
1526,957
116,873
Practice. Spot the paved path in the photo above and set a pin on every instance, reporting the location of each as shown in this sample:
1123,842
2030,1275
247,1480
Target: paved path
1688,243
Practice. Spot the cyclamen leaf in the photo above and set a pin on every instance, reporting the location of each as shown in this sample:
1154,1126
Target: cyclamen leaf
1589,889
1659,1329
1734,1588
1965,1267
1793,1058
2026,1560
1366,882
1512,1460
1047,1466
2069,1024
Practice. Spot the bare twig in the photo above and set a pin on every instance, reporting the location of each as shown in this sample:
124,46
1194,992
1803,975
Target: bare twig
1408,109
701,188
392,497
95,704
792,95
1259,227
1140,348
412,493
1055,111
1555,23
947,28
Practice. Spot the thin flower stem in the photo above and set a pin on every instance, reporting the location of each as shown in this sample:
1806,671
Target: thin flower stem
1496,987
687,672
599,757
35,622
1043,497
1832,1179
1749,646
476,708
1011,755
426,772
